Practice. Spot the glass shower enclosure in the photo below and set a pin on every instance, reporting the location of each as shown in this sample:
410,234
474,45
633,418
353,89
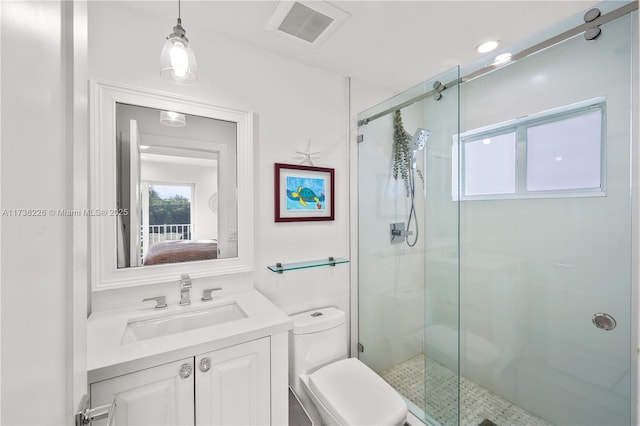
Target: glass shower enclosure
408,295
514,306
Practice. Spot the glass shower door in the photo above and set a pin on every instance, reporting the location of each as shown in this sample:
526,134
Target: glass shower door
408,293
546,260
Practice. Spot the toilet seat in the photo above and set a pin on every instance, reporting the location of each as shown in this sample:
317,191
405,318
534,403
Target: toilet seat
355,395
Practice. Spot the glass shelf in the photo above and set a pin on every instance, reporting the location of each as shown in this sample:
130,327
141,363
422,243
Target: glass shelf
331,261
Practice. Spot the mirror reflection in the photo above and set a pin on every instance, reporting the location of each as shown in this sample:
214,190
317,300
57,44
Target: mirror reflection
176,176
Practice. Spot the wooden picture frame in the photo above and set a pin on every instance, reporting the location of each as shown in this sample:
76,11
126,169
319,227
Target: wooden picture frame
304,193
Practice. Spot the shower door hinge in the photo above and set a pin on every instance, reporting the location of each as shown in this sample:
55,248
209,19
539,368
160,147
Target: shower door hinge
360,138
360,347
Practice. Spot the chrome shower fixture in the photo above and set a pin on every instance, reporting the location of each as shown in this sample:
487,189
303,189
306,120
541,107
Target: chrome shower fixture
419,139
439,88
418,142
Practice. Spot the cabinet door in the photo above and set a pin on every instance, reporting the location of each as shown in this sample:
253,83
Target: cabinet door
156,396
233,384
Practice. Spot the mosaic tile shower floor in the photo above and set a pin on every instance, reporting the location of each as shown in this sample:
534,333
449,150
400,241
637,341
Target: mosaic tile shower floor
476,403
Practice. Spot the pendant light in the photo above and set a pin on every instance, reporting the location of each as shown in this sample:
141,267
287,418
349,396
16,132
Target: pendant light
177,61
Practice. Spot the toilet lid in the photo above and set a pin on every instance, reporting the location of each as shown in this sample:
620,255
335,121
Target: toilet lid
355,395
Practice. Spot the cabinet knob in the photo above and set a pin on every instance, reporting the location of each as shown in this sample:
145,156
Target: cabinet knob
186,370
205,364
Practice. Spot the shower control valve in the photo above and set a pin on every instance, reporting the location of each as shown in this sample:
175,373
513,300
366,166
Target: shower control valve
398,232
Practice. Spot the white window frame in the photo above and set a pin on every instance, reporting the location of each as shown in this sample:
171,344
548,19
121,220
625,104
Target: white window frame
519,126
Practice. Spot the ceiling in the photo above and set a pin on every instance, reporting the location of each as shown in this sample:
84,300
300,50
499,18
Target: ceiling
392,45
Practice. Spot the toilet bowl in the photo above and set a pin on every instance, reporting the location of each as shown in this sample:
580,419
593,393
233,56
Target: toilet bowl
343,391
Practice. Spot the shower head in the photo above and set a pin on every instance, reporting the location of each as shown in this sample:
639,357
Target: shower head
417,143
419,139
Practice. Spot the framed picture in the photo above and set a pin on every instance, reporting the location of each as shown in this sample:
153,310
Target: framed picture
303,193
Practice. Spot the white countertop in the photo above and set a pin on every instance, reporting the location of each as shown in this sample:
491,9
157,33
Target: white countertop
108,357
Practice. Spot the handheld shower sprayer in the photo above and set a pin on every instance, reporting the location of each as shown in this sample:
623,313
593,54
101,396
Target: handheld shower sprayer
417,143
419,139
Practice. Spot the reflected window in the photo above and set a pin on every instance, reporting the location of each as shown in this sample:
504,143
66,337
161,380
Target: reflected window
169,212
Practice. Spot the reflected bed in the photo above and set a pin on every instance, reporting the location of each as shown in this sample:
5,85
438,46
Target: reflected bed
181,251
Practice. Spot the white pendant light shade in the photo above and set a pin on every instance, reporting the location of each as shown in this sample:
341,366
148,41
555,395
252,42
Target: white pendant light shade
172,119
177,61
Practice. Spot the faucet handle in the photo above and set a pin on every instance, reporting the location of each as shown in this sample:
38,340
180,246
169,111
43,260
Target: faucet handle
206,294
185,281
161,301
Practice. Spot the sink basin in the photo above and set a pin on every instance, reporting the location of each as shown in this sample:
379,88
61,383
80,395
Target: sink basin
181,321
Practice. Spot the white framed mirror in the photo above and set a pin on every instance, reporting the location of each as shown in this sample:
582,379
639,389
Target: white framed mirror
171,190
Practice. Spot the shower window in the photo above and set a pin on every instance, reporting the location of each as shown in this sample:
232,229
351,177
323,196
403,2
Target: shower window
558,153
565,153
490,165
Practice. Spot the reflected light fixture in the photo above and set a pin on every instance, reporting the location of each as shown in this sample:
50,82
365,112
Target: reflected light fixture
177,61
502,58
172,119
487,46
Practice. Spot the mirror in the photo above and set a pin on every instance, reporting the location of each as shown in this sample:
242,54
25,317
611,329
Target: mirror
172,199
172,170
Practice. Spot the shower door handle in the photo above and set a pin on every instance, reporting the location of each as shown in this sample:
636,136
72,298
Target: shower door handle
604,321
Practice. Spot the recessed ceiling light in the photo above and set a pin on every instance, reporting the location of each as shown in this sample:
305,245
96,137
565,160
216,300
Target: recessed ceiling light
502,58
487,46
486,141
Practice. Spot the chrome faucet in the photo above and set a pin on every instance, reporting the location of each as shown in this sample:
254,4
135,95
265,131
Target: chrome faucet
161,301
185,286
206,294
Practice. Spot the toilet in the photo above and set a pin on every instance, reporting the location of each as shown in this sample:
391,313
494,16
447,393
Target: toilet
341,390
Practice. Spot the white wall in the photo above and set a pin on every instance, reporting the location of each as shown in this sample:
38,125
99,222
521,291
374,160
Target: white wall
35,254
292,102
533,272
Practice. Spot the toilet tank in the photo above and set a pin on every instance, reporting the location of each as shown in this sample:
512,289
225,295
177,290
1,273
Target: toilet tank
318,338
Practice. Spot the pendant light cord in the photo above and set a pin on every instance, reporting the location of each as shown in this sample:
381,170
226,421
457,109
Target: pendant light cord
179,17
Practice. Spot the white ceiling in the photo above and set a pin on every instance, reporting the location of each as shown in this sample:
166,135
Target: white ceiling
389,44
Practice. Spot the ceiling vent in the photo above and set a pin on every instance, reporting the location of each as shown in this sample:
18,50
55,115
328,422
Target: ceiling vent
311,22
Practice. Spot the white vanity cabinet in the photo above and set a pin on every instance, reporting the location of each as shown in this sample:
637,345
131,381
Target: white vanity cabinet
232,372
229,386
161,395
233,385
